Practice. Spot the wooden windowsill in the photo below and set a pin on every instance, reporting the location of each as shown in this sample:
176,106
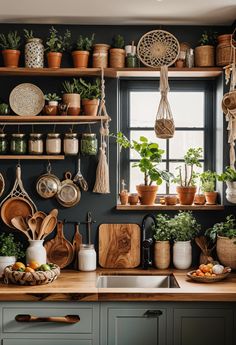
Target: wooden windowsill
169,207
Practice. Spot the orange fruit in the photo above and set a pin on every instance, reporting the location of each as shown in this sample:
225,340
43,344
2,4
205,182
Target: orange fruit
201,274
18,266
201,266
33,264
205,269
198,272
29,269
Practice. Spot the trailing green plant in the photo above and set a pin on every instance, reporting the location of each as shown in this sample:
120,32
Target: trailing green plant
208,179
228,175
162,228
89,90
52,97
118,41
10,247
10,41
150,157
84,43
29,34
184,226
58,43
191,159
73,86
225,229
208,38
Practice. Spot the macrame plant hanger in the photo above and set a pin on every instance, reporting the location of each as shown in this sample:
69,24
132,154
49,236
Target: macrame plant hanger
164,125
102,183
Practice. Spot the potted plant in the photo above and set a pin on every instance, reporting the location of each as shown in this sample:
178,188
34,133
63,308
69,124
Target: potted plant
186,181
71,96
117,52
162,236
150,157
208,180
184,228
53,99
10,44
205,52
224,234
90,96
10,250
56,45
34,50
229,177
80,54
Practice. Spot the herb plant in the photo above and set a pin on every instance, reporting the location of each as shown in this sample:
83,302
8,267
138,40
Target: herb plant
118,42
162,229
84,43
11,41
225,229
208,38
29,34
90,91
58,43
184,226
150,156
208,180
73,86
52,97
229,175
9,247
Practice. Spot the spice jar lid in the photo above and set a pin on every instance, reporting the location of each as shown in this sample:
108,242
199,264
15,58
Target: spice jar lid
53,135
3,135
70,135
18,135
86,246
36,135
89,135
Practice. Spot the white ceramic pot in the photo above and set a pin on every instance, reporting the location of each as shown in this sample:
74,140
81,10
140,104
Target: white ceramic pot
6,261
34,53
36,252
231,192
182,254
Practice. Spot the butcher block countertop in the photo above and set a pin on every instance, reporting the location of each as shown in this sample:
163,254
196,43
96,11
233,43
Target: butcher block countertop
81,286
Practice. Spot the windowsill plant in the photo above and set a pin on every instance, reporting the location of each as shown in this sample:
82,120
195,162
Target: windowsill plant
229,177
81,51
208,180
10,250
10,45
55,46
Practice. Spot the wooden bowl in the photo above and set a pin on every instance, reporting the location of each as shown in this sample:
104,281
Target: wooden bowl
205,279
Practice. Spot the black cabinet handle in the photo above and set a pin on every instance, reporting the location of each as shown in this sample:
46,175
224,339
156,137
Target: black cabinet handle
153,313
60,319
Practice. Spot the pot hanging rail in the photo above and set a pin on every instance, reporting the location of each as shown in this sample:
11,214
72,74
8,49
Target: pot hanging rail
164,125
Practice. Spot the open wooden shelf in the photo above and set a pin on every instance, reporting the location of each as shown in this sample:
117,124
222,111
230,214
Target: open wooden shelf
159,207
32,157
50,72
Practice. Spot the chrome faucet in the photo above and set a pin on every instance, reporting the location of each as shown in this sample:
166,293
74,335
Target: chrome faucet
147,242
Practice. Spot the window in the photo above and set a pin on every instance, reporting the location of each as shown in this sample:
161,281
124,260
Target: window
192,107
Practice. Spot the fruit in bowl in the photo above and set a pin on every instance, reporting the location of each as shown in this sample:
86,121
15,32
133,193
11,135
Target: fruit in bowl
33,266
210,270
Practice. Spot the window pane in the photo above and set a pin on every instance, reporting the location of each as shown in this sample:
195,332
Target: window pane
183,140
135,135
144,105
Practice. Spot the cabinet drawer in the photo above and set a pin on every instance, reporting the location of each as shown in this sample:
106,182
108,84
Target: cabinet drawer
45,341
84,326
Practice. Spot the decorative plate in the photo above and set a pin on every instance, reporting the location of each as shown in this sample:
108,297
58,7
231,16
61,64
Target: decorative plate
158,48
205,279
27,100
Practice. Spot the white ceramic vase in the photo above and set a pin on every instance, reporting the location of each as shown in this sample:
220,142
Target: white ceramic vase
231,192
182,254
36,252
6,261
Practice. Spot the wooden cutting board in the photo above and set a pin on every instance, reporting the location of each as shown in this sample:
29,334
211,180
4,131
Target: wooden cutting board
119,245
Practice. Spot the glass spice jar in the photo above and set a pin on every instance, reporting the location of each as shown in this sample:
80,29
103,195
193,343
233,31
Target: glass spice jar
87,258
89,144
53,144
35,144
71,144
3,144
18,144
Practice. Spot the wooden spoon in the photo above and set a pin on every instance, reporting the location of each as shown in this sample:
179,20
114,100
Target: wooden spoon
77,241
54,212
49,227
19,223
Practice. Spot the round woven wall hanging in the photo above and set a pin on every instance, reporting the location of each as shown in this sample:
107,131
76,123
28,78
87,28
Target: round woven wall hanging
158,48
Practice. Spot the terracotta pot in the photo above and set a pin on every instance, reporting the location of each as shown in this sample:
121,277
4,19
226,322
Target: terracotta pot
80,58
199,199
54,59
186,194
11,58
90,106
162,254
170,199
211,198
72,100
226,251
50,110
117,58
204,56
124,196
147,194
133,199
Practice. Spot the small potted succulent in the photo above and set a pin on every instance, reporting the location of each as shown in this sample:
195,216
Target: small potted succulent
150,157
71,96
10,45
55,46
10,250
208,180
184,228
224,234
162,236
229,177
205,52
52,107
81,52
90,95
117,52
34,50
186,181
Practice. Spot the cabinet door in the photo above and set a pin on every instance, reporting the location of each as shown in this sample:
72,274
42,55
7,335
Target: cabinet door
45,341
203,326
133,324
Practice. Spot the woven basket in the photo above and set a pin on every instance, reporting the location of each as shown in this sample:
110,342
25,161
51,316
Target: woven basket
164,128
204,56
224,51
226,251
28,278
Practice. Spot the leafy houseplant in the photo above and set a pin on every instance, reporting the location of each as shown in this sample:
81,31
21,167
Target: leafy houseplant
56,45
205,52
34,50
71,96
224,233
80,54
90,96
208,180
186,180
150,157
53,99
29,34
10,250
229,177
117,52
10,45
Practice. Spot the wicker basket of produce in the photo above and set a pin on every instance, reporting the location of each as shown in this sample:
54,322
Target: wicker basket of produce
38,277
